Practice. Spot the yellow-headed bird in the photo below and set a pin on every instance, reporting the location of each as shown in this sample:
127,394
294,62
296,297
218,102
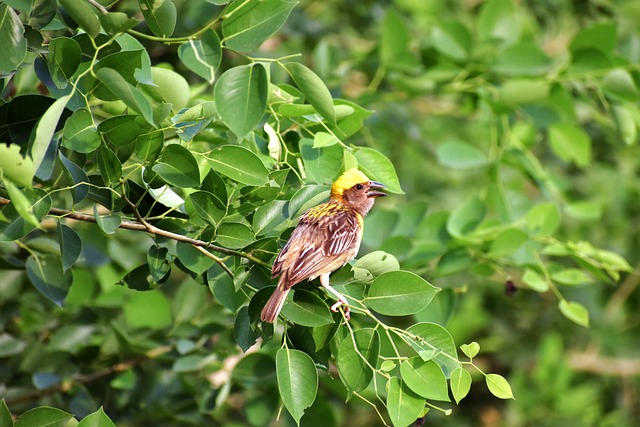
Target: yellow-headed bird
326,238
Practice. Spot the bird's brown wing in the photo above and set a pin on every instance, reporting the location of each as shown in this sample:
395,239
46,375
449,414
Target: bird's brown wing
319,244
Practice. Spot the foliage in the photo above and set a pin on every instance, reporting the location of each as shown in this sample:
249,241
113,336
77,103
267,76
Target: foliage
157,153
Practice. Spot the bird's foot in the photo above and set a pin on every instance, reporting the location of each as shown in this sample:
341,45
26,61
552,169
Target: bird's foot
347,310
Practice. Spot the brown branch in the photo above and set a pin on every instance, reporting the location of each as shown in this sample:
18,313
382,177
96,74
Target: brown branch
152,229
605,365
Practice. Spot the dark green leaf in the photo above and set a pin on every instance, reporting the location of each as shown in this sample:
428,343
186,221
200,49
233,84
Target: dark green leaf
124,91
14,46
14,226
356,373
307,309
208,207
120,130
96,419
244,335
178,167
241,97
116,22
248,25
297,381
157,261
63,60
107,223
70,246
47,276
84,14
76,175
323,165
192,258
234,235
5,416
313,89
110,166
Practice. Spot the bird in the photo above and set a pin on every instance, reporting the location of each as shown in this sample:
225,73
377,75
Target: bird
326,238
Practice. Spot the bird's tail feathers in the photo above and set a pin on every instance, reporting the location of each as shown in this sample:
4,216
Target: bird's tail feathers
274,304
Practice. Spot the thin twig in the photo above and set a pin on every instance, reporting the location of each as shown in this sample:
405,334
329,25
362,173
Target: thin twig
133,225
216,259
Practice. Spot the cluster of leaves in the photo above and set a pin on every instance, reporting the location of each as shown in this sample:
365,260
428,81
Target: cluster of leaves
212,151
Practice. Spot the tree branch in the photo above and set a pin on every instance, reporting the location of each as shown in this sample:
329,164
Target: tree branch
152,229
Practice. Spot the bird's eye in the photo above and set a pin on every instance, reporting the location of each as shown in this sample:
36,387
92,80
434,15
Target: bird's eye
359,186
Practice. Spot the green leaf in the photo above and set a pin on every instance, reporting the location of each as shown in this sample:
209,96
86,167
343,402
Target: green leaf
14,226
116,22
6,420
323,139
158,265
107,223
452,39
21,204
45,129
192,258
543,219
96,419
297,381
244,335
124,91
46,274
425,379
247,25
373,265
394,40
307,309
466,217
43,416
169,87
148,309
202,56
404,405
572,276
120,130
127,64
379,168
460,382
109,164
70,246
507,242
521,91
269,219
14,166
535,281
313,89
322,165
470,350
400,293
241,97
160,16
234,235
178,167
522,59
430,337
80,133
208,207
601,36
84,14
461,155
13,48
571,143
499,20
575,312
224,290
498,386
64,58
239,164
355,372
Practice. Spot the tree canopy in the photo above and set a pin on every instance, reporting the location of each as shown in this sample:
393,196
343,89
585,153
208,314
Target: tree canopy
156,154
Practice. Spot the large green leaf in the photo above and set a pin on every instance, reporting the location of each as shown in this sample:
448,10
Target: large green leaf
571,143
160,16
460,382
430,338
313,89
43,416
14,46
356,373
241,97
248,24
45,129
425,379
178,167
208,206
234,235
84,14
96,419
239,164
400,293
498,386
14,166
80,133
307,309
403,405
64,58
297,381
202,56
70,246
124,91
48,277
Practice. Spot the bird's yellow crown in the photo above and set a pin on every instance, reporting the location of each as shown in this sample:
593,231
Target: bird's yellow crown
346,181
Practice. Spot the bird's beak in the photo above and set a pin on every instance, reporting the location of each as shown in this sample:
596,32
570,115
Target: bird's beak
373,186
